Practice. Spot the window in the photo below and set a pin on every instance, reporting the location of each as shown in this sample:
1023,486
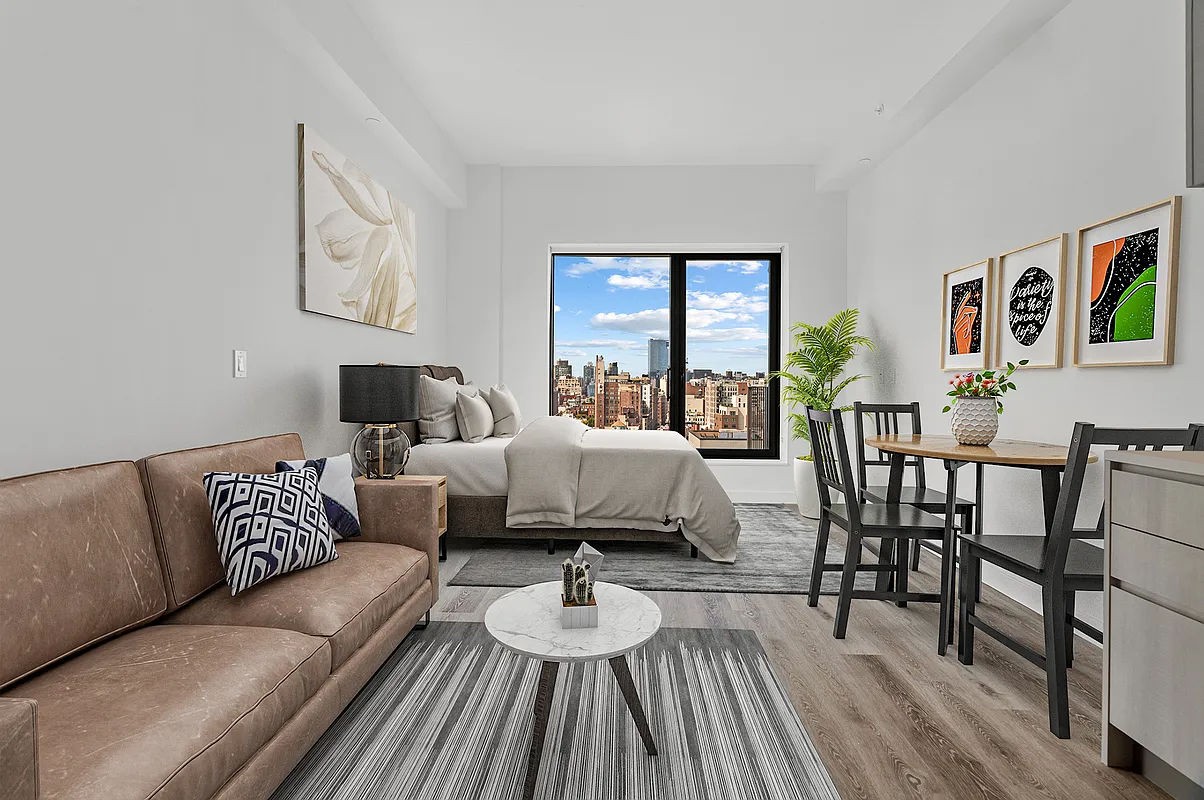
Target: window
683,342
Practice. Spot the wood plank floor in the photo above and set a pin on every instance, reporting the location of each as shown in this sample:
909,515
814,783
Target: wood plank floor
890,718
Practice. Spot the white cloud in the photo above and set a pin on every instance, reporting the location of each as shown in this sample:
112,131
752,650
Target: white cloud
741,334
556,309
734,301
639,281
595,346
744,267
625,264
700,321
761,287
706,317
651,322
747,351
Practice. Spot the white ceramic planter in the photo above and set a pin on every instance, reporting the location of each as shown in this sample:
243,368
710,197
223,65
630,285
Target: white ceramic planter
805,491
975,420
579,616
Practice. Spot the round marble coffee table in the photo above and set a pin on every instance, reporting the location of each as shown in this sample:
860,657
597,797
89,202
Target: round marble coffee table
527,621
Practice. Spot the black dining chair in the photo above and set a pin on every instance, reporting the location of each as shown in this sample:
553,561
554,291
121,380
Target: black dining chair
886,418
1060,562
860,520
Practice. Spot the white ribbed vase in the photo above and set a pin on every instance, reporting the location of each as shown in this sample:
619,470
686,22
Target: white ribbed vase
975,420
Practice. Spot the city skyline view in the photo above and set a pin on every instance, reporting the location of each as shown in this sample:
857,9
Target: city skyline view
612,305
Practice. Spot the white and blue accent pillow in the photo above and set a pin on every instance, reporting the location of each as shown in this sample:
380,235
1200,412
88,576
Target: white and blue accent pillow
268,525
336,481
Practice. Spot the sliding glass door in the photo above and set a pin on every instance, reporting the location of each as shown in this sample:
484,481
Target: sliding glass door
683,342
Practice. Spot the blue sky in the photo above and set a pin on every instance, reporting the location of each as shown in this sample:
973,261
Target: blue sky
612,305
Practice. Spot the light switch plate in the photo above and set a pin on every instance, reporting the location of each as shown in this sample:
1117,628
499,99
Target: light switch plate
240,363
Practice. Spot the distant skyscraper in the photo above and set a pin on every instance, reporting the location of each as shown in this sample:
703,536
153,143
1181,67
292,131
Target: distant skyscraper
587,379
658,367
563,369
612,368
658,357
600,392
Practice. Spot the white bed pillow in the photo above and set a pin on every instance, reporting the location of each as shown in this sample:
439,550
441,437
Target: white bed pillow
437,408
507,419
474,417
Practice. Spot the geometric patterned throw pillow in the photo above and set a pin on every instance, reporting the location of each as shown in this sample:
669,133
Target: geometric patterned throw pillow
268,525
336,482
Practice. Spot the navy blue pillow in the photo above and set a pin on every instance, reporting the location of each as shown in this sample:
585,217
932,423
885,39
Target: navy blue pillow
336,482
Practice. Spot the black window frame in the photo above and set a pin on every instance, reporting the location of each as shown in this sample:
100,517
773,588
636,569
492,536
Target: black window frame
677,342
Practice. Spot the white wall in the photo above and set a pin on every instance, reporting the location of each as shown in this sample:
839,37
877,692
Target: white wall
1082,122
148,216
499,258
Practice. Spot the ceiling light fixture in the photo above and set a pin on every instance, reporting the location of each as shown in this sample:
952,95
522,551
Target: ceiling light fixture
864,160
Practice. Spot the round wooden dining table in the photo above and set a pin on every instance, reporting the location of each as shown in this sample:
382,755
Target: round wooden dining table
1049,459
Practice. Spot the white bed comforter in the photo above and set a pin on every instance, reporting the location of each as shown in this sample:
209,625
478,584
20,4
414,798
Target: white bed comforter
562,473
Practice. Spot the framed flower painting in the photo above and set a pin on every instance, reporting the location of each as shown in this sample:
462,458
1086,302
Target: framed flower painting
1127,283
358,241
1029,302
965,328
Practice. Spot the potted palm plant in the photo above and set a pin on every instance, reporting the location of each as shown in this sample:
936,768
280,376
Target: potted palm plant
814,376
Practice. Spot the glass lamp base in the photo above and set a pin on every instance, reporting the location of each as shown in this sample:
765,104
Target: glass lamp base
380,451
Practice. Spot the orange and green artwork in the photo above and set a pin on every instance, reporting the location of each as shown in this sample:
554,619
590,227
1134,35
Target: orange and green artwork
965,317
1124,287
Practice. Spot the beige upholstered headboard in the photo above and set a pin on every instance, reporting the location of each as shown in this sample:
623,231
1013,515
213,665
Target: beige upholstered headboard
410,429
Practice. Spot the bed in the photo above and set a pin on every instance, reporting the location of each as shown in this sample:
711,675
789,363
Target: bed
564,481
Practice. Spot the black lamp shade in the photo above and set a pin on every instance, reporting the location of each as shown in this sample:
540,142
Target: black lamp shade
378,394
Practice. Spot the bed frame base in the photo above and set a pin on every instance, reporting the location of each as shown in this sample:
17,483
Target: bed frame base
485,518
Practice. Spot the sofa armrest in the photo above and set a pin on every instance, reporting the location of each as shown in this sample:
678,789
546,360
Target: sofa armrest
402,511
18,749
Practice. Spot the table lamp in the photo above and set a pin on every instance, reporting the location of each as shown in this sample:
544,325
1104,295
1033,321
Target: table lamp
379,396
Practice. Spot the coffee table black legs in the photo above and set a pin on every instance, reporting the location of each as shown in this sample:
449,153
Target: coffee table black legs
623,675
543,709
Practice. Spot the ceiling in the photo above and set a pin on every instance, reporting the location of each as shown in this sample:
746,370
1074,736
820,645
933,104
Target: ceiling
567,82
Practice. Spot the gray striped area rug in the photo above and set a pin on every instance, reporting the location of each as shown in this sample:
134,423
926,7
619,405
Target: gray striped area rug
450,716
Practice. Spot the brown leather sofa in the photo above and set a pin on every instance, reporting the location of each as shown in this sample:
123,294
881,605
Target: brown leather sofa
126,668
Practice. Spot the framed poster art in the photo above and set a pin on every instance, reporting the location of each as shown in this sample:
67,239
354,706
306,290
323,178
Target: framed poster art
1125,296
1029,302
358,241
965,329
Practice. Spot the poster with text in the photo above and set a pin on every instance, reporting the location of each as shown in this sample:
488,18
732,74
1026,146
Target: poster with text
1028,318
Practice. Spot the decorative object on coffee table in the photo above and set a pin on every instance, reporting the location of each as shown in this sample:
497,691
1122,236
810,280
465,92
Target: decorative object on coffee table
578,607
379,396
976,404
526,621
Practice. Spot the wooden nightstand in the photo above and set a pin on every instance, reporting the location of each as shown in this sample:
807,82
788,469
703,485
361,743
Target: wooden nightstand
441,512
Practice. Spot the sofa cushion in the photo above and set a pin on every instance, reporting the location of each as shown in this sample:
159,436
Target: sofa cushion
77,563
268,525
180,511
336,482
168,710
346,600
